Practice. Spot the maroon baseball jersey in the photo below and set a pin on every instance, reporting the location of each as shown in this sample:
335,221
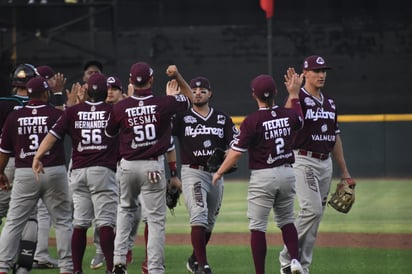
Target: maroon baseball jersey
24,130
198,136
145,124
321,124
85,124
267,135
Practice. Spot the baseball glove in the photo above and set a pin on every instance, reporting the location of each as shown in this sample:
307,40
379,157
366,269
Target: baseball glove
216,159
344,196
172,196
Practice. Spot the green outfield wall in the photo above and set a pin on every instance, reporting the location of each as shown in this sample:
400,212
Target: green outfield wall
374,145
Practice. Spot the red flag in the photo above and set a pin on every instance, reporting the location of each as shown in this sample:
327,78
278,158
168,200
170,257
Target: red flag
267,6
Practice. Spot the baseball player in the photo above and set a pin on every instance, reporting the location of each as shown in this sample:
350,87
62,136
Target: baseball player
199,131
116,93
23,131
94,156
143,124
267,136
173,181
21,75
42,258
313,167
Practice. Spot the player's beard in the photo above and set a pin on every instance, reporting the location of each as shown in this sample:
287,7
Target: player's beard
199,104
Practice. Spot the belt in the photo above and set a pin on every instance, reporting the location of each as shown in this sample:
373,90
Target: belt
200,167
155,158
312,154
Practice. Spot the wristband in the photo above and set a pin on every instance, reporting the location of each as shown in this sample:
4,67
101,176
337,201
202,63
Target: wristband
173,169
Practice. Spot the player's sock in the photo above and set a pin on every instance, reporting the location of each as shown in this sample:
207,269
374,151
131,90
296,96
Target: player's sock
259,249
290,238
107,244
199,244
79,241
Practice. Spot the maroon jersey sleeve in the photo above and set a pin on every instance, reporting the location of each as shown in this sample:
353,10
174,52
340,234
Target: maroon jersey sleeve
25,129
85,124
144,124
267,135
320,124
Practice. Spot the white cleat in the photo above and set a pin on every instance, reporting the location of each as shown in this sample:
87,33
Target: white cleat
295,267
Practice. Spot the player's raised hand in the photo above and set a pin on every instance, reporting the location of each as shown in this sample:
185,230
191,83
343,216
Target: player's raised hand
172,71
172,87
37,167
72,98
293,82
60,82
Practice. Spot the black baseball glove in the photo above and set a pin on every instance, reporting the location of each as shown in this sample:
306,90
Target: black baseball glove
172,197
216,159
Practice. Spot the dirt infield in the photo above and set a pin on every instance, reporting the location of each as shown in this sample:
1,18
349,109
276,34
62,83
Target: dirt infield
396,241
390,241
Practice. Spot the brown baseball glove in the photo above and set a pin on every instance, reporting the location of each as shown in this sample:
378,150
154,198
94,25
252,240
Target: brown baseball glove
172,197
344,196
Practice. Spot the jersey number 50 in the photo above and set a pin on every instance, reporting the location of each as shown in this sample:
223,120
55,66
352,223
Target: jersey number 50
144,132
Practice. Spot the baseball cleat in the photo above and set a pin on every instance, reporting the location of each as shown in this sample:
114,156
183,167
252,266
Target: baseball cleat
191,264
295,267
97,261
285,270
119,269
204,270
45,265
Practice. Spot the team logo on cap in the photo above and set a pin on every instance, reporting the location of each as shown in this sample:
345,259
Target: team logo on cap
111,80
320,61
305,64
198,83
94,87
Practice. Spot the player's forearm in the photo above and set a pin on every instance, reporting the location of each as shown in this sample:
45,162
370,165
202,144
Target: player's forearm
231,159
45,146
184,87
338,155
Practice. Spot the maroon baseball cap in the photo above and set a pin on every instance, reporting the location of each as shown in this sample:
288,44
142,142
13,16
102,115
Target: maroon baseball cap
264,87
200,82
37,85
97,82
45,71
113,81
314,62
140,73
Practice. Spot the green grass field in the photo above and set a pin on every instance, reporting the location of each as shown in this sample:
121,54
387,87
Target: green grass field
382,206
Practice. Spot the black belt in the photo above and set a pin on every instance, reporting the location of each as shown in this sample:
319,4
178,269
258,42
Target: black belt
312,154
